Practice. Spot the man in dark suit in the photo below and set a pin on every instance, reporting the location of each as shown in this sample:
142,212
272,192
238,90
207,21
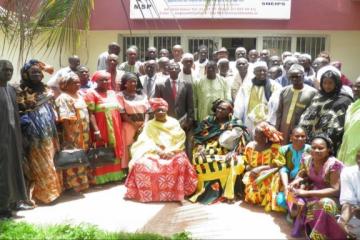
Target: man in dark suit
178,93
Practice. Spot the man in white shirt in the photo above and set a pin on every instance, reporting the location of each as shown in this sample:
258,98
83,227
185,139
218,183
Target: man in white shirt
201,63
350,199
113,48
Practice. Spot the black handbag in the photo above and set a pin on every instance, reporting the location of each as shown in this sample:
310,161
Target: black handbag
69,158
99,156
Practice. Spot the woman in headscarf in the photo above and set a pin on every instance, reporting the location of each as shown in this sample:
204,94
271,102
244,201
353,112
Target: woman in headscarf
219,140
105,121
326,114
262,179
37,118
159,169
74,121
314,194
133,109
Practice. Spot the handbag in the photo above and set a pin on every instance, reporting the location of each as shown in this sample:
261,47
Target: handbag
99,156
70,158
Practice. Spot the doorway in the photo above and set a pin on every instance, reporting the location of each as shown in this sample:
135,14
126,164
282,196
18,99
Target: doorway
232,43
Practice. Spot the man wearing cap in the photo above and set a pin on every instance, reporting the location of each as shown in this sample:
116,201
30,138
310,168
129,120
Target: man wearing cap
293,100
225,72
187,72
256,100
305,61
222,53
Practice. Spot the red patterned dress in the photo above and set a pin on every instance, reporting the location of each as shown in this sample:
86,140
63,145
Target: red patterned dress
152,178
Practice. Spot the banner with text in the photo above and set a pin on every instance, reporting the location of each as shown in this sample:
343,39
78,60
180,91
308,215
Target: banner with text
223,9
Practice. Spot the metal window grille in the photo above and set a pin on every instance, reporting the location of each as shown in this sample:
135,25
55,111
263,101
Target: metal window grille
194,44
277,45
142,43
310,45
166,42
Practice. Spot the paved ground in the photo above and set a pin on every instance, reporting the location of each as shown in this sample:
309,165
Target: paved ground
104,206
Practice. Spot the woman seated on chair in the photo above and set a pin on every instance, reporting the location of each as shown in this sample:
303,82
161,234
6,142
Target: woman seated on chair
159,169
219,140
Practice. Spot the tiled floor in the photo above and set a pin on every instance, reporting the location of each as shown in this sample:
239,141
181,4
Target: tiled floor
104,206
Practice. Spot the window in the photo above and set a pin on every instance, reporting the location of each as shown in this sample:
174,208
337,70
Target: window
277,45
166,42
196,42
310,45
142,44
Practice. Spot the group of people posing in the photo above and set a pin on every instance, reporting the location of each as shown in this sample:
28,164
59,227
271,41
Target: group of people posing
276,131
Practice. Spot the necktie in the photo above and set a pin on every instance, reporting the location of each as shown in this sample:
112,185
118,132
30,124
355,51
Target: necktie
174,88
149,87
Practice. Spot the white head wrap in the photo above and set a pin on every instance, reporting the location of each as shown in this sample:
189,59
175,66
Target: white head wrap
326,69
187,56
260,64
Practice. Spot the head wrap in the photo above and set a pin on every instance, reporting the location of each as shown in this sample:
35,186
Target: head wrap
270,132
296,67
99,75
259,64
33,62
157,103
43,66
326,69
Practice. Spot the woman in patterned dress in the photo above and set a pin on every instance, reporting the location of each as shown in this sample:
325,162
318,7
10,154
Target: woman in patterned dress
262,179
74,119
316,191
104,111
159,169
219,140
37,119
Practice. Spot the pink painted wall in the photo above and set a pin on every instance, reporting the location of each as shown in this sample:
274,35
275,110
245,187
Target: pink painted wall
305,15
